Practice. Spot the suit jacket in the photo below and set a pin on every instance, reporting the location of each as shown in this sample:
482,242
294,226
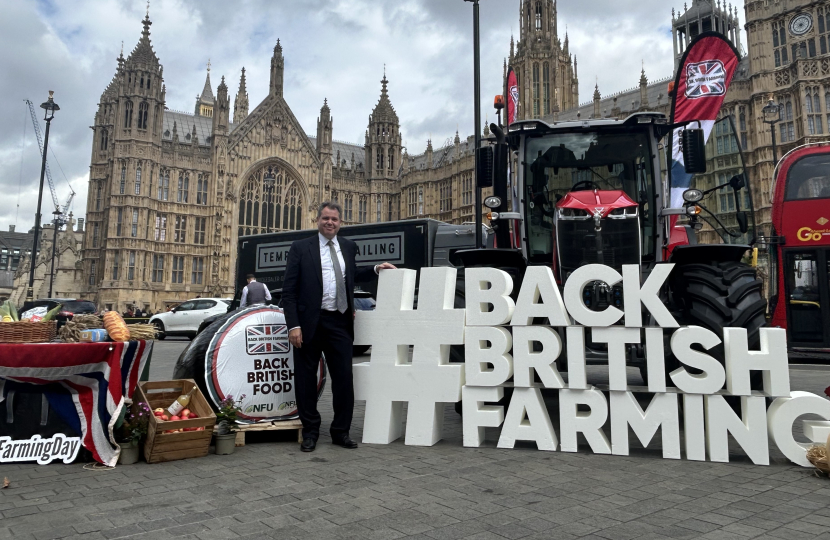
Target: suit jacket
302,291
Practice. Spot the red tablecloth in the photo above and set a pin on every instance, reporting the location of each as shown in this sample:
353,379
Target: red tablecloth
94,380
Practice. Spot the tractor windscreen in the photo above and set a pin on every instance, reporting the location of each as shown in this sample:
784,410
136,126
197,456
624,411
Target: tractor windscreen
727,210
618,159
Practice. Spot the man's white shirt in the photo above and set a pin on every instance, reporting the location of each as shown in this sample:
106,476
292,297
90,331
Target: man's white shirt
329,279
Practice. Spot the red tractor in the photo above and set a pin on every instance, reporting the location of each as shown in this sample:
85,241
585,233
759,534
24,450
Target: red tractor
800,248
595,192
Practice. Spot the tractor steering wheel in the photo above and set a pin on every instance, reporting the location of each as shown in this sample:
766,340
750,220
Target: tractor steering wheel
589,185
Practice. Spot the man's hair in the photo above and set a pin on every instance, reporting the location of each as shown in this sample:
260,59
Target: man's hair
250,276
333,206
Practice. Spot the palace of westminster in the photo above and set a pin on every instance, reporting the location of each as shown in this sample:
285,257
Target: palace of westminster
170,192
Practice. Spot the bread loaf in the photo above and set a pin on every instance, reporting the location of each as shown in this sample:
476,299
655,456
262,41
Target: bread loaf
116,327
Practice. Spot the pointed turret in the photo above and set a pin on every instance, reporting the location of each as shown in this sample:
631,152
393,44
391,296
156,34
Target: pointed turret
143,51
597,98
277,71
383,146
205,102
221,112
325,125
240,104
643,88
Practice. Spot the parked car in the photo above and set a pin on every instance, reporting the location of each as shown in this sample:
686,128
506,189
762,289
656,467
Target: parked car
184,319
69,307
363,301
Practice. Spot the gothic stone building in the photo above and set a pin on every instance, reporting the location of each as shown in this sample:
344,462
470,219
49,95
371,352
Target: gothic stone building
170,192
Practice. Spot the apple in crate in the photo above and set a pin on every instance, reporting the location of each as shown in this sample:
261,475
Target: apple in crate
158,412
174,418
185,413
164,418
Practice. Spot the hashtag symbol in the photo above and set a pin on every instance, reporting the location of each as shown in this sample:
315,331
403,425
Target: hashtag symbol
389,380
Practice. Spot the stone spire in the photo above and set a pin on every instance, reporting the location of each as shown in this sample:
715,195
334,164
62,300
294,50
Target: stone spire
325,127
277,71
143,51
597,98
240,104
643,88
204,102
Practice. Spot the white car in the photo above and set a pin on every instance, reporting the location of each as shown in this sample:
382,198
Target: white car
184,319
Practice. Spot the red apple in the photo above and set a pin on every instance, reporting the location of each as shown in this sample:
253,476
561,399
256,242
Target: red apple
193,415
158,411
157,414
200,428
165,418
174,418
185,413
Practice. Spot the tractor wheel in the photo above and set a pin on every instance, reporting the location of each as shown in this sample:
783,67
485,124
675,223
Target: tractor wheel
717,296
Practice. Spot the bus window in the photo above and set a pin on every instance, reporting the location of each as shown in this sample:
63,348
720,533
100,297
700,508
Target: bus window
808,178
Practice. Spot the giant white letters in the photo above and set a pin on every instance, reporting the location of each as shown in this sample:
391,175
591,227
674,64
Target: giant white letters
501,341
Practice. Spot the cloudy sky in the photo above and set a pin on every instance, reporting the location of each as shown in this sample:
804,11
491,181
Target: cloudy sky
334,49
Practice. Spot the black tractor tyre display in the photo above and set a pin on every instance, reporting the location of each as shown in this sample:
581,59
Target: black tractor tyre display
717,296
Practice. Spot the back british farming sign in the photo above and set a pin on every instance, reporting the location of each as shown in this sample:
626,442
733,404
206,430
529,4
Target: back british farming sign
250,356
501,340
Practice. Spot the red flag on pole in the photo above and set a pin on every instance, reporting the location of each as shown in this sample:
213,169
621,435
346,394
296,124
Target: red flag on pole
511,96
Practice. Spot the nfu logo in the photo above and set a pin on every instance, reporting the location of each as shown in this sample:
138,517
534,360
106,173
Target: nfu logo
288,405
262,407
705,79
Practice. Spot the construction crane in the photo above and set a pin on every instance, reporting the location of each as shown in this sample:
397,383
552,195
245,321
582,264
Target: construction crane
63,218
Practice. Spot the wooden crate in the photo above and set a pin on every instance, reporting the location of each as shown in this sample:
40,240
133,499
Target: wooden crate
161,446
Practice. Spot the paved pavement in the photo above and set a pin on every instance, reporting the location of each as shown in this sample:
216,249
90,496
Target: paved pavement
269,489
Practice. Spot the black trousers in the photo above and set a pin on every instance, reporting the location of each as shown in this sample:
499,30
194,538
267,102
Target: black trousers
333,339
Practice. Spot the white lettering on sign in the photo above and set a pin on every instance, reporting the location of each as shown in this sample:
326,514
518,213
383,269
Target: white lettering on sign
531,355
371,249
43,451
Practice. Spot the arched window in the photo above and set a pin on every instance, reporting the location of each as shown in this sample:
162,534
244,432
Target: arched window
269,201
201,190
538,15
104,139
138,180
122,187
535,90
391,160
143,107
546,88
128,114
378,210
183,188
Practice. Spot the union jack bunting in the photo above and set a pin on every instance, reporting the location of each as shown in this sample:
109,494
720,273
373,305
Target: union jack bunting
266,338
87,384
705,79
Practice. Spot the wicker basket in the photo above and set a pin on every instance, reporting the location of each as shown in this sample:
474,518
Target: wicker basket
27,332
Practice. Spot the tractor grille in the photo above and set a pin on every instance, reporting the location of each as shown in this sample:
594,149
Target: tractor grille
577,242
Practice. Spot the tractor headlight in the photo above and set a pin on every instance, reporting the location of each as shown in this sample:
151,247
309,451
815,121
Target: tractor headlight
492,202
692,195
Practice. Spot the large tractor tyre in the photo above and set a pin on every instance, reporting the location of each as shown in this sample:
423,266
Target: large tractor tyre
717,296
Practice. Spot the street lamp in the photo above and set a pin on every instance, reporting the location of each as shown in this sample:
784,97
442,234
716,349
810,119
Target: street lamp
772,115
49,108
56,223
477,115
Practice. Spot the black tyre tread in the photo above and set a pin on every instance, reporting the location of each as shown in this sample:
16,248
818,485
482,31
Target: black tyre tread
720,295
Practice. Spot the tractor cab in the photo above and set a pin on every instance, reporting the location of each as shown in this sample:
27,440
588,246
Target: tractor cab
596,192
590,192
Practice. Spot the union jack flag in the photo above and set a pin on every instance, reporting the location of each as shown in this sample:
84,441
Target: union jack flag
705,79
266,338
86,384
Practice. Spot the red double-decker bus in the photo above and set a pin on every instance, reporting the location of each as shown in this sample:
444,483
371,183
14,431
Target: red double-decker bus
801,221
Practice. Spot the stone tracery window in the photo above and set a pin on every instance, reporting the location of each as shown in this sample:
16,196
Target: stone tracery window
275,205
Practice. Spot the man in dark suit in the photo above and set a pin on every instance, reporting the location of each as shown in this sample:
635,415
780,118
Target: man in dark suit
318,299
